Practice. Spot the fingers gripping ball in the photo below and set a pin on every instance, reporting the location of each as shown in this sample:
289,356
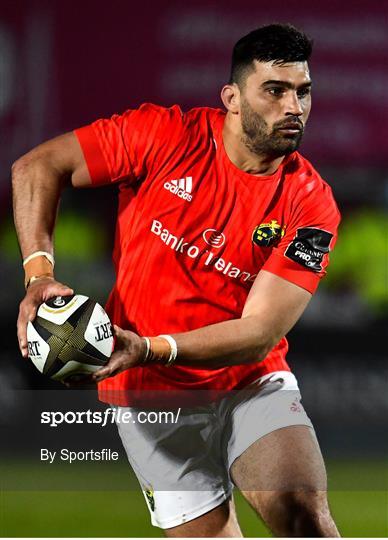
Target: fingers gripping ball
70,336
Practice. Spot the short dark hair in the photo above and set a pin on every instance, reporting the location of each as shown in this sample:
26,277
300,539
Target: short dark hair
278,43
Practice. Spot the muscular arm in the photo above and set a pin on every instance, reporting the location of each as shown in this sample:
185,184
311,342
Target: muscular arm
37,181
272,308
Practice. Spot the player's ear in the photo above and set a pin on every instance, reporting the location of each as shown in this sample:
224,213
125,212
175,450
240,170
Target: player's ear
230,95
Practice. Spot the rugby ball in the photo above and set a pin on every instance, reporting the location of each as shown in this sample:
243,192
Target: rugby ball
70,336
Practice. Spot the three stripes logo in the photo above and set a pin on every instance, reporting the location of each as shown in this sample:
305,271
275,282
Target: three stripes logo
182,187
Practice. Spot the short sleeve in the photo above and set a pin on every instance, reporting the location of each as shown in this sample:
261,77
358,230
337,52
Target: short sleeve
124,146
302,254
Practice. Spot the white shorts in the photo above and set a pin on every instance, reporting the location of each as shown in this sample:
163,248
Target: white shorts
183,467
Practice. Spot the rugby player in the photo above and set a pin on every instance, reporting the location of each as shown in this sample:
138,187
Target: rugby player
223,233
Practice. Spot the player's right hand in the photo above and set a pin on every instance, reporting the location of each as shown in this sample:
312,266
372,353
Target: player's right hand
39,291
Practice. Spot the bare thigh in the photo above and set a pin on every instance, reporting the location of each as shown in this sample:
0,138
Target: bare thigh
219,522
283,460
283,477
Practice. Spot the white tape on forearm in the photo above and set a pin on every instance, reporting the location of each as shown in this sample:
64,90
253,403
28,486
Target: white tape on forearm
148,347
174,348
46,254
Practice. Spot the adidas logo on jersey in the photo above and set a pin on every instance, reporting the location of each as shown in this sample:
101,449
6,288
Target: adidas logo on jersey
181,187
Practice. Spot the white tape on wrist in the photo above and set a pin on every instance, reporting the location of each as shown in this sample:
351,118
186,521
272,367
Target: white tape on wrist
174,348
148,347
46,254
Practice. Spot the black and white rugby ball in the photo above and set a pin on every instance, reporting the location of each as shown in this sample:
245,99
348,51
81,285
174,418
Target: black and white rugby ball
70,336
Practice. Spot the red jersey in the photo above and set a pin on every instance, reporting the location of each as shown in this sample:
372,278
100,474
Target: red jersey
193,231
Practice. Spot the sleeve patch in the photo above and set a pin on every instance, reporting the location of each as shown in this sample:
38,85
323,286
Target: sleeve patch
308,247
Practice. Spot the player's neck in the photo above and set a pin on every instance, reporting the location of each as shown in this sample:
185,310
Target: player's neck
242,157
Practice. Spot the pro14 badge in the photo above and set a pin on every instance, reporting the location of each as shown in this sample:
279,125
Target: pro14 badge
267,234
309,247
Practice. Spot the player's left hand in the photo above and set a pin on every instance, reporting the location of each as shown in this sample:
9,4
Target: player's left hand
129,351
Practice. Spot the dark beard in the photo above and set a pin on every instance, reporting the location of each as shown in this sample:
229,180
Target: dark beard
260,141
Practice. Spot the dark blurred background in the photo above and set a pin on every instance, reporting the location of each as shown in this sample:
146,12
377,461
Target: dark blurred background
65,63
